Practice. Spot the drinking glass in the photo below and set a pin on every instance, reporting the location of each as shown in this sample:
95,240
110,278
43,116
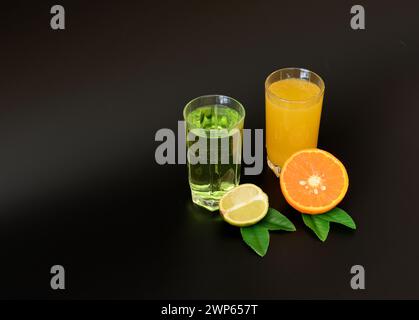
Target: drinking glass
294,99
214,131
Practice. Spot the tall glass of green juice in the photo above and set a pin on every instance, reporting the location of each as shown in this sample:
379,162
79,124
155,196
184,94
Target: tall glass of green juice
214,131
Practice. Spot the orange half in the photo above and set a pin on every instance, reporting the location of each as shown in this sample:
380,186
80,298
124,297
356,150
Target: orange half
313,181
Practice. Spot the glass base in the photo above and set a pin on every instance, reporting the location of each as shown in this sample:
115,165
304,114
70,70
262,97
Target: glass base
276,169
210,204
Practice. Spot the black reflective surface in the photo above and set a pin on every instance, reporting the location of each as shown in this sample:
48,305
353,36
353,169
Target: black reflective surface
79,185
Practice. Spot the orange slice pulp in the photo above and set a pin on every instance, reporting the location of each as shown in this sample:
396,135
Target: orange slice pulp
313,181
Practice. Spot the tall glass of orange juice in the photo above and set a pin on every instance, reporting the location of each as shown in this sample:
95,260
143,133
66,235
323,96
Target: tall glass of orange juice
294,99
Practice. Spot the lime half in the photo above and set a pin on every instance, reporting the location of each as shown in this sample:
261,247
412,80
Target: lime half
244,205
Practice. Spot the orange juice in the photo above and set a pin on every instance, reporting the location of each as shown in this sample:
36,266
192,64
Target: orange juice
293,110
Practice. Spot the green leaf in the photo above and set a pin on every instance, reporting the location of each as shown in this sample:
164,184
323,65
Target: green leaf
274,220
338,216
257,238
319,226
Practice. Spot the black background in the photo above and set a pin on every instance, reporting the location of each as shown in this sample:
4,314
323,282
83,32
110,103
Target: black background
79,185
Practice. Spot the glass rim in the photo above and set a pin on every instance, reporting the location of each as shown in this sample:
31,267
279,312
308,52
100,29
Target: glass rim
322,88
242,116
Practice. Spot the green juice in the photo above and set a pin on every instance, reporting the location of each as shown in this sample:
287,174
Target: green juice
218,129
